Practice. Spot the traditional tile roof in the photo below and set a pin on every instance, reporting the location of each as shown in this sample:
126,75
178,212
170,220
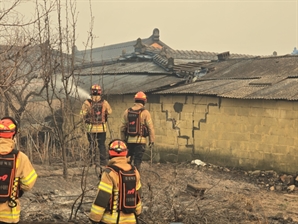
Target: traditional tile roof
150,65
115,51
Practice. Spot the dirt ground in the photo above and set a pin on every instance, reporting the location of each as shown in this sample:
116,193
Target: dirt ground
231,196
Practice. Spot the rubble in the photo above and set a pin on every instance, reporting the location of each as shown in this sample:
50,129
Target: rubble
268,179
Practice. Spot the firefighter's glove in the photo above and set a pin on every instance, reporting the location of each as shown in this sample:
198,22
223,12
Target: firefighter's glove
151,143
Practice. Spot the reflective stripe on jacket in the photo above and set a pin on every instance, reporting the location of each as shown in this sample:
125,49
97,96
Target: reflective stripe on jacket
145,119
27,175
107,187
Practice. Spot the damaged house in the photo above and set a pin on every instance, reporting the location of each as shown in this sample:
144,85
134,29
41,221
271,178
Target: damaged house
227,109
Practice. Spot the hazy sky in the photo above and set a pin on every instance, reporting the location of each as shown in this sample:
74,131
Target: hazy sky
257,27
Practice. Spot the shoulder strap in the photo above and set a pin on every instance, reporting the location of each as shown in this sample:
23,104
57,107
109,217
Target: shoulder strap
107,170
13,152
101,101
117,168
139,110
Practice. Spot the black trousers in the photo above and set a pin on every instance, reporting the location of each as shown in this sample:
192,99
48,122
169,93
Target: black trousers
136,152
7,223
97,145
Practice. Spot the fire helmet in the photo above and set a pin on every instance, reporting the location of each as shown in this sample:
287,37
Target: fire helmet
117,148
140,96
8,127
95,90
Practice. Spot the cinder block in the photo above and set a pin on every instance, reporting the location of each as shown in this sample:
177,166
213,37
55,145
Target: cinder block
167,107
154,107
182,142
291,114
204,100
237,136
227,102
286,123
166,99
214,110
257,112
179,99
269,121
279,149
189,99
199,134
224,144
237,145
128,98
186,116
219,127
186,132
188,108
211,119
269,139
265,148
242,111
286,141
260,129
288,105
257,137
224,118
185,124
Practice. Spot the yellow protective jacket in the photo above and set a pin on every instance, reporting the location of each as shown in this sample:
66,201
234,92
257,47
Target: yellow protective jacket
86,108
145,119
108,188
27,177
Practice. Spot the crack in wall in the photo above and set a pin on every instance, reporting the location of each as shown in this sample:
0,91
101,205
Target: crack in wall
176,127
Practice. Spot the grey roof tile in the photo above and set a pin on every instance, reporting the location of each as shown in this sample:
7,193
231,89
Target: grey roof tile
129,83
259,78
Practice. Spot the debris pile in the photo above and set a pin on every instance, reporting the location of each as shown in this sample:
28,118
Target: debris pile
269,179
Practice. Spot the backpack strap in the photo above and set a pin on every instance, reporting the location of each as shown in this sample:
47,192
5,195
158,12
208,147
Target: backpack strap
115,168
139,110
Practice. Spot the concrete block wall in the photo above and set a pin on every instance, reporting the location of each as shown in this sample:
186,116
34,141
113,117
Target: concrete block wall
250,134
260,134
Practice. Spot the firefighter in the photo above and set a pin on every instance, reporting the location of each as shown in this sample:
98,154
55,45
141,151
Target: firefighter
118,197
136,126
17,174
94,112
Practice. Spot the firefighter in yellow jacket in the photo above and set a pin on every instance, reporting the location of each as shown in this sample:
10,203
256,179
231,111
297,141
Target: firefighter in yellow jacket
94,112
17,174
136,126
118,197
